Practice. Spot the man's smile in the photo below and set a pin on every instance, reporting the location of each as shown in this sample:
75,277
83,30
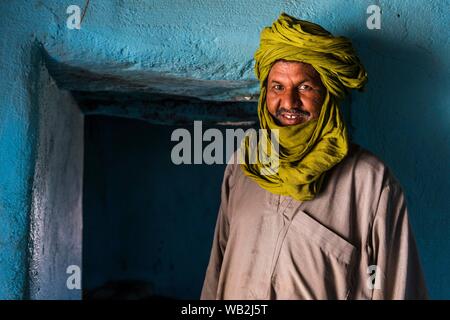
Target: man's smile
296,116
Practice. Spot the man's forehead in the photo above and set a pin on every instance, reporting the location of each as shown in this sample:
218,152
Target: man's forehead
292,69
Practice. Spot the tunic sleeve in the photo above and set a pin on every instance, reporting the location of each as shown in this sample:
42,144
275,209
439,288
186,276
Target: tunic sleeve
398,274
210,284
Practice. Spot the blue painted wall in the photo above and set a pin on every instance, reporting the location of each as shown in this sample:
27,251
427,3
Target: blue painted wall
403,116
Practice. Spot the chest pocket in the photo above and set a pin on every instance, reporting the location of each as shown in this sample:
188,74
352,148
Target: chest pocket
313,263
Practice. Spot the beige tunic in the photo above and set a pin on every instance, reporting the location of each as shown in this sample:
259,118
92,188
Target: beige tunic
353,241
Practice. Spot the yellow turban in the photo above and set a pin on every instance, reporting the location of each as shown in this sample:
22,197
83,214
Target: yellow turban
307,150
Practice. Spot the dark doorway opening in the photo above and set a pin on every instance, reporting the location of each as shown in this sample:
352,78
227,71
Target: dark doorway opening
147,223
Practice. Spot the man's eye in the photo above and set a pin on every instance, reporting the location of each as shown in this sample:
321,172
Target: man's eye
304,87
278,87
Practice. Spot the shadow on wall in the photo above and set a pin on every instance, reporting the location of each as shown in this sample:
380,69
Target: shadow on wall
402,118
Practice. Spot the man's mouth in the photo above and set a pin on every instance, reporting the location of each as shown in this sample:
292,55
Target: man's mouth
293,117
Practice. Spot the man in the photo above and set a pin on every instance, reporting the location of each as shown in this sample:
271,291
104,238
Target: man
332,222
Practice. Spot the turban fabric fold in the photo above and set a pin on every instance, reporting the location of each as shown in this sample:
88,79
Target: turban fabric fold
307,150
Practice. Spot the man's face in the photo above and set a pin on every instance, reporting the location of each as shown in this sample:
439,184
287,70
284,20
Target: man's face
295,93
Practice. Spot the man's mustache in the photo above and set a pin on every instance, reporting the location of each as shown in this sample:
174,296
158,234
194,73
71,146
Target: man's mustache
298,111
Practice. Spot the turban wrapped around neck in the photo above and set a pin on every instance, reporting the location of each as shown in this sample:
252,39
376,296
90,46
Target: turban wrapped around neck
307,150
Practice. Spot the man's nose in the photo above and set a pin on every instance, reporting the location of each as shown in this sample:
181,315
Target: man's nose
291,100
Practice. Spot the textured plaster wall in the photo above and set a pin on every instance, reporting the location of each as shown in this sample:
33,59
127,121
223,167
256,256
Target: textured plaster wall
403,116
56,202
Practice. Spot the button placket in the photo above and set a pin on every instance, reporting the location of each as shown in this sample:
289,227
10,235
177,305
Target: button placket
288,210
285,205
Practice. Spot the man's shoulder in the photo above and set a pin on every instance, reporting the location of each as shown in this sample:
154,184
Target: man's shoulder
364,158
367,167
